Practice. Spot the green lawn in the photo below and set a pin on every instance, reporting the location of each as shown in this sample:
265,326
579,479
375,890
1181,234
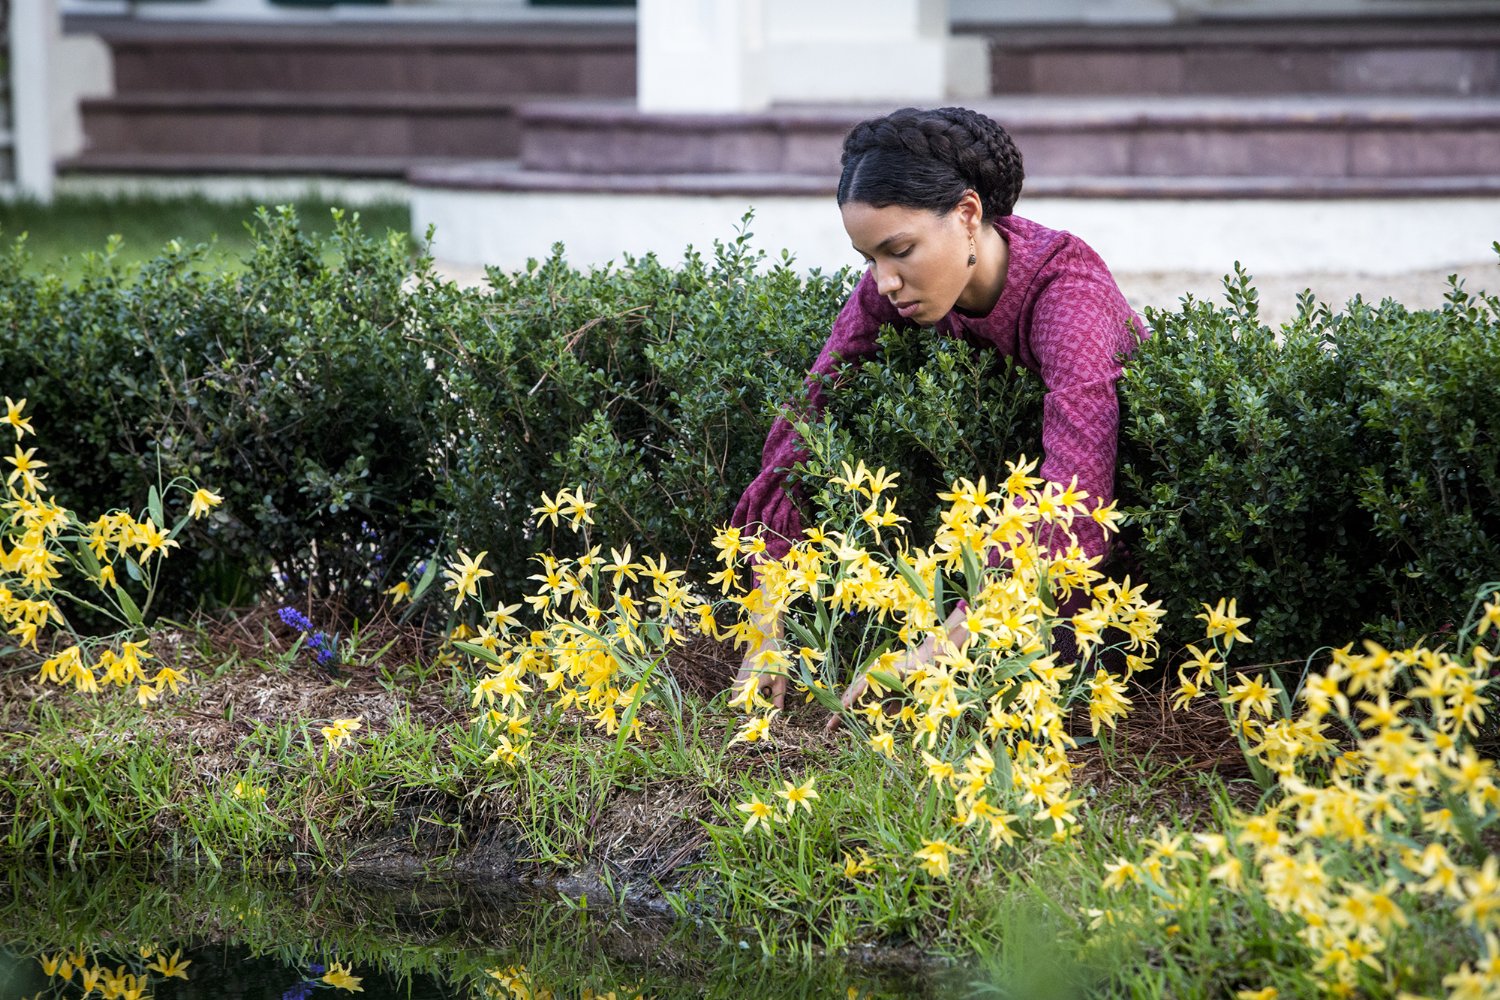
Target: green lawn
59,236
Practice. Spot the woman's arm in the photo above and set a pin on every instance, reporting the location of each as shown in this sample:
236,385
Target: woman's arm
768,507
1081,327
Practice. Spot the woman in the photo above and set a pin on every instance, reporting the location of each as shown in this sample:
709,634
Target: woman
926,198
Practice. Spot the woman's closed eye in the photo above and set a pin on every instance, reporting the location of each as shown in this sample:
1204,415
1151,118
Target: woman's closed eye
898,254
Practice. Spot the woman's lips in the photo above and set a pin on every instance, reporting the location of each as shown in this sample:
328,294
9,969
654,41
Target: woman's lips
908,309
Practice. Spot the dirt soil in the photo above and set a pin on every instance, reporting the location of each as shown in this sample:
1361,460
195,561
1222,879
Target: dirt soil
645,837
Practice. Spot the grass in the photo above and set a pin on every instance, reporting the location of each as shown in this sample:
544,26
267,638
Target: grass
656,818
61,236
235,774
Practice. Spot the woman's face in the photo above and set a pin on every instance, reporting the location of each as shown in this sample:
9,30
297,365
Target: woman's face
919,259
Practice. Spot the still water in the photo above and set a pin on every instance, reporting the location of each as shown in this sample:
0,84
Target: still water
122,934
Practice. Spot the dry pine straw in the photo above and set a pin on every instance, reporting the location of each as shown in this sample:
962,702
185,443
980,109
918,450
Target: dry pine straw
652,829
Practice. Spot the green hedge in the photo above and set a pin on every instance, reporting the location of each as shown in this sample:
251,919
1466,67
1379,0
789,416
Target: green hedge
361,417
360,420
650,383
294,389
1337,475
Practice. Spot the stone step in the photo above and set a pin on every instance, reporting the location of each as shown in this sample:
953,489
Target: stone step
510,177
468,59
1324,138
393,129
1440,56
167,164
354,99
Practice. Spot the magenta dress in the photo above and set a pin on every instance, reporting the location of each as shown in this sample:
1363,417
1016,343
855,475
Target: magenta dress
1060,315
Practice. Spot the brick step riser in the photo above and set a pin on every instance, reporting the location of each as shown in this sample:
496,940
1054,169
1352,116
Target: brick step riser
418,70
1407,71
1181,150
380,133
1414,68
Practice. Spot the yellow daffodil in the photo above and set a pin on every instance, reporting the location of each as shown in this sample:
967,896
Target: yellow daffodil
22,425
550,509
1223,622
754,729
937,856
796,795
463,576
577,508
25,470
758,813
203,501
339,977
340,732
1120,873
153,540
1252,694
855,867
252,793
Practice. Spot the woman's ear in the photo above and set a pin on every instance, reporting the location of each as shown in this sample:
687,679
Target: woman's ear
970,211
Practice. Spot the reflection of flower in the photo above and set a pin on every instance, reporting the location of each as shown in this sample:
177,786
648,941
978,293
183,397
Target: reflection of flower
304,990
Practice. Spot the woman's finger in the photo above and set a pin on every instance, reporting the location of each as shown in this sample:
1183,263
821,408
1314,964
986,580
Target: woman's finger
850,696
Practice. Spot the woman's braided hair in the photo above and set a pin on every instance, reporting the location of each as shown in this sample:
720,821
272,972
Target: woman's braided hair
928,159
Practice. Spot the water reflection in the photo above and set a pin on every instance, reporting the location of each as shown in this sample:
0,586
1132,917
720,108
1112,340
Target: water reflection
183,934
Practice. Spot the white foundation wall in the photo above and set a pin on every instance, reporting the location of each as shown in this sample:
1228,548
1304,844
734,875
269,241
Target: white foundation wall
1269,237
744,55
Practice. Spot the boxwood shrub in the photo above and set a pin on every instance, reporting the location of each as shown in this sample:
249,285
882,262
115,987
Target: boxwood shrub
362,416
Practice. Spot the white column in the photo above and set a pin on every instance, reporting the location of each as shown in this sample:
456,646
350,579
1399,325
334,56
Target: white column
877,50
32,29
741,55
700,55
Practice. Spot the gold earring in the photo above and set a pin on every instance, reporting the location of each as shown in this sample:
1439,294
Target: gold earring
973,259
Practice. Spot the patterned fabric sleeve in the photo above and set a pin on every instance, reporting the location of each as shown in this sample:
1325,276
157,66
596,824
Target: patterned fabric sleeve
768,506
1081,325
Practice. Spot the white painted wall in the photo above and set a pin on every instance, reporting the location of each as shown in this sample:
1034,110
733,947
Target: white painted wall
1363,236
876,50
81,67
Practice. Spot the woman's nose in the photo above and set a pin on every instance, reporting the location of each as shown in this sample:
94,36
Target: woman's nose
886,279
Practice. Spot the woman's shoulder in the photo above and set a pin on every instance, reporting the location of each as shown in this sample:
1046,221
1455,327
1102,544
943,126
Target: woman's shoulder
1037,247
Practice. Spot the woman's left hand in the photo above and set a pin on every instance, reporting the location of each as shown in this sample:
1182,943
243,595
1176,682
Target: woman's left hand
955,628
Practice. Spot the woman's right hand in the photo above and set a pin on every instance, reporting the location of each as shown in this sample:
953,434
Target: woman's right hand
771,681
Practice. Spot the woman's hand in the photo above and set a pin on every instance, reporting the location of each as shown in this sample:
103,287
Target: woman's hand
753,669
955,628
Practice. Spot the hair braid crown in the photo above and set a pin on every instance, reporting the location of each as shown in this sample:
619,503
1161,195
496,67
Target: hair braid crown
978,151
